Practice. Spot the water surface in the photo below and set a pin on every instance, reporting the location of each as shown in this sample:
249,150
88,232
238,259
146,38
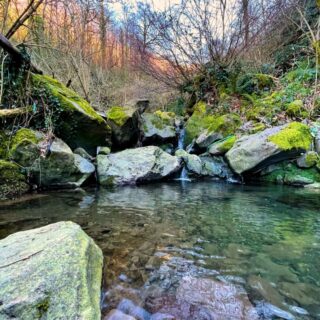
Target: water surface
263,241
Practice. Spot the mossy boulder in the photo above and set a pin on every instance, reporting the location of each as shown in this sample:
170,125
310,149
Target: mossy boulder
24,146
255,152
12,180
60,168
124,122
308,160
53,272
288,173
158,128
201,121
135,166
77,122
222,147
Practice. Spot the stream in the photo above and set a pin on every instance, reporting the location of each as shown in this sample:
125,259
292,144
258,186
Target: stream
165,241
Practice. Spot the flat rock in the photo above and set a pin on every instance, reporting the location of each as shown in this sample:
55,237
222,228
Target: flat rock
53,272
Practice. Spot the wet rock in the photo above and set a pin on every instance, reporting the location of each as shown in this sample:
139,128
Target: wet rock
263,289
137,312
53,272
216,167
269,311
304,293
83,153
220,148
220,300
255,152
193,162
135,166
117,315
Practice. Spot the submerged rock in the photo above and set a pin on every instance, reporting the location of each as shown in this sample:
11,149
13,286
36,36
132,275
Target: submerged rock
255,152
53,272
77,122
136,165
158,127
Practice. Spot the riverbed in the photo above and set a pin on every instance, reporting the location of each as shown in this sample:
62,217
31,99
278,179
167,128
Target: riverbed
261,241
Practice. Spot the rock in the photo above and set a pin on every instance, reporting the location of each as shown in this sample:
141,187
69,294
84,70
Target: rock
61,168
222,147
76,122
216,167
136,165
117,315
206,138
12,181
158,127
255,152
103,150
128,307
124,122
83,153
221,301
308,160
192,161
53,272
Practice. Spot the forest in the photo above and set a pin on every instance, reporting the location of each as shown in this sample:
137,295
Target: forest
159,159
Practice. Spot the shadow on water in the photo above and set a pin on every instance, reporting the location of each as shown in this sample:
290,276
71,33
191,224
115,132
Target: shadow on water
170,248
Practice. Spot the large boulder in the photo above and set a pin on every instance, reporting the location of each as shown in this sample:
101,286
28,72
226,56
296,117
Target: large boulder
158,128
53,272
136,165
61,168
76,122
255,152
12,181
124,122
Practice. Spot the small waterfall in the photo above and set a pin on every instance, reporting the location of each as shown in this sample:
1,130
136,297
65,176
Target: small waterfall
184,171
182,134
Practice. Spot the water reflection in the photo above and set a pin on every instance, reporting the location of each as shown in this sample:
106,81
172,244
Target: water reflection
258,244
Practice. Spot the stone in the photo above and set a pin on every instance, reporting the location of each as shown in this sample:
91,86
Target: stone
134,166
255,152
206,138
103,150
216,167
53,272
83,153
61,168
308,160
12,181
76,122
193,162
117,315
124,122
158,128
220,148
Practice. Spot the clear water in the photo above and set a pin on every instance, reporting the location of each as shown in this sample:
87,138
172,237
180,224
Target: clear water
263,240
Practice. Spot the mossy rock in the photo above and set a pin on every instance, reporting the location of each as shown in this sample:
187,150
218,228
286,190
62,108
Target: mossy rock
200,121
124,122
222,147
24,147
294,136
296,109
12,181
77,123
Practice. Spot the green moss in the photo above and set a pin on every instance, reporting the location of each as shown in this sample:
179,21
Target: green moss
68,99
258,127
295,108
294,136
311,159
166,116
225,124
4,145
117,115
22,136
227,144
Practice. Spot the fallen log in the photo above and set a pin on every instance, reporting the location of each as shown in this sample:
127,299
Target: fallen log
10,113
7,46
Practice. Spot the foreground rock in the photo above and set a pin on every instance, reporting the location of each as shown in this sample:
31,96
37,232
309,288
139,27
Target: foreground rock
255,152
52,272
136,165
